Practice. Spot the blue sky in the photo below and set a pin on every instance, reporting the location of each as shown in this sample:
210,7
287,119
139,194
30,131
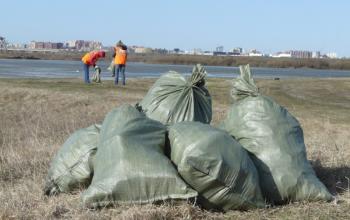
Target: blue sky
267,25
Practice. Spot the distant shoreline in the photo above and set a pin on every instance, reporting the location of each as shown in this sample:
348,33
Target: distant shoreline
336,64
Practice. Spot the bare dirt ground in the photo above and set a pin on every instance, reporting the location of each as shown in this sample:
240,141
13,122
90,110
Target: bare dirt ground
37,116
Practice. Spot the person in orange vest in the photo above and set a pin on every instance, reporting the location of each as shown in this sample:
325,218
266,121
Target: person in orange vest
120,56
90,59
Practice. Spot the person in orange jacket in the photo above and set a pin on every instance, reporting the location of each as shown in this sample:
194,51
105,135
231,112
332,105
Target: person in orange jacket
90,59
120,56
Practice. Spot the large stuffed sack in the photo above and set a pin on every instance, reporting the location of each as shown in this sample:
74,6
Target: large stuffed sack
130,166
216,166
276,140
173,98
72,164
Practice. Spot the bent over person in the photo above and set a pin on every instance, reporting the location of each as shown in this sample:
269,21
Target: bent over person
90,59
120,57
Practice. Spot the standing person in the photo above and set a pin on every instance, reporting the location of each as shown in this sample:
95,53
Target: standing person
90,59
120,58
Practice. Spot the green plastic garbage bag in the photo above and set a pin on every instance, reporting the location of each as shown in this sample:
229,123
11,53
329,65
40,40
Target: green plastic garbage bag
130,166
97,75
276,140
72,164
111,67
173,99
216,166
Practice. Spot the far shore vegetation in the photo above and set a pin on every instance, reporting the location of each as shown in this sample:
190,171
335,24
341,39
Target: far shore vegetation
338,64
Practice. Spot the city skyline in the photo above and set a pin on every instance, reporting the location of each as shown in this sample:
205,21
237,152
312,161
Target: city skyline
86,45
271,26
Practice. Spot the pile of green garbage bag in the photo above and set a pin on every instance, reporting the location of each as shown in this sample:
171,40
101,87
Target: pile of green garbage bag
164,149
275,140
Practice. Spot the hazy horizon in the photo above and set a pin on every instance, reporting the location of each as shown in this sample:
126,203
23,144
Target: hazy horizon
268,26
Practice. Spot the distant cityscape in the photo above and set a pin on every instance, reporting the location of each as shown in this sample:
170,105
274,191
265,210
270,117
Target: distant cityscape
85,45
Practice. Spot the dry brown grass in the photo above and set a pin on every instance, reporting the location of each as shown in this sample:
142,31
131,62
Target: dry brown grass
37,116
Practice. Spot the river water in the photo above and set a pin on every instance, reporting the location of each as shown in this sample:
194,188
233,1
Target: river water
17,68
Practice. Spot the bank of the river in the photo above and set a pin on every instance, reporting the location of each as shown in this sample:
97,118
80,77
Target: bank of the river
340,64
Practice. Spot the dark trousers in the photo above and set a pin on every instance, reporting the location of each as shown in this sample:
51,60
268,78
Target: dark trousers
120,68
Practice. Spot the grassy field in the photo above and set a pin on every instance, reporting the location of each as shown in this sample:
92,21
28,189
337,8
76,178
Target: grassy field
37,116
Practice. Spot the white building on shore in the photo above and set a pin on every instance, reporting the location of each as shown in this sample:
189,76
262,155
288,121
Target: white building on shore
332,55
280,55
255,53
